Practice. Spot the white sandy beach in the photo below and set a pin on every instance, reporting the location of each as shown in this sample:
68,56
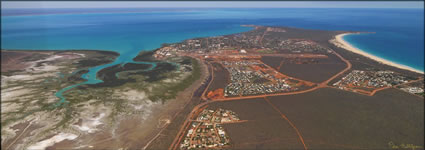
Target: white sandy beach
348,46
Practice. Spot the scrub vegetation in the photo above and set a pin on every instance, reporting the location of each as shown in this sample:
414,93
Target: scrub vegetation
28,92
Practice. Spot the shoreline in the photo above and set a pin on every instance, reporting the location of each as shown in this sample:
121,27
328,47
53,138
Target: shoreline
346,45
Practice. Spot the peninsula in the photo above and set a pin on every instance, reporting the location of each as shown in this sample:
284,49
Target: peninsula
268,88
294,89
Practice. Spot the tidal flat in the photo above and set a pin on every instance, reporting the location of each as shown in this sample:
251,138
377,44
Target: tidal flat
129,96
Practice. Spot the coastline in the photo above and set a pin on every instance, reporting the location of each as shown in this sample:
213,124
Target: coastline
346,45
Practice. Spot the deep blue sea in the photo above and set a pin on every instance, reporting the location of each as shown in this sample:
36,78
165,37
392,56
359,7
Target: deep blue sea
399,33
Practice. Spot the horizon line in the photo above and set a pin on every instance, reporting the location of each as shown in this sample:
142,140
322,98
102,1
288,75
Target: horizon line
211,4
226,7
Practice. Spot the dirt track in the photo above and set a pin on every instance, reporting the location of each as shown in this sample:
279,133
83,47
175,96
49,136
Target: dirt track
186,124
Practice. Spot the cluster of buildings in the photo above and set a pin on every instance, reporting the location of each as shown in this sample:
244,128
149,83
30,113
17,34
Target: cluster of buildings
196,46
205,44
413,90
247,40
370,79
252,40
250,78
300,46
167,51
206,131
414,87
236,89
191,44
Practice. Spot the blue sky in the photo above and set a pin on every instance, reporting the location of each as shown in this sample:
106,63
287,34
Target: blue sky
210,4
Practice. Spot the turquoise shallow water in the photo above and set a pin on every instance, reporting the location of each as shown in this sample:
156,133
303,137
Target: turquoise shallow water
399,32
399,57
103,32
92,79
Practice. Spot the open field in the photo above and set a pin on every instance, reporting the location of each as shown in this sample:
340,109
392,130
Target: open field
330,118
248,109
312,72
273,62
327,119
262,134
264,128
221,77
11,61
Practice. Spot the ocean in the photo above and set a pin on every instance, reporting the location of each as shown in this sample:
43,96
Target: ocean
399,32
398,37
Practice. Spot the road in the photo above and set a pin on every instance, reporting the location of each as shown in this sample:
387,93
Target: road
290,122
211,71
324,84
186,124
25,129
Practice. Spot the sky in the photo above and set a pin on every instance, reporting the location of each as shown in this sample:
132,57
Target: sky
211,4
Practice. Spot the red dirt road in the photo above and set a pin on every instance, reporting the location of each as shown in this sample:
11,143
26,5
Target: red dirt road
192,114
324,84
286,118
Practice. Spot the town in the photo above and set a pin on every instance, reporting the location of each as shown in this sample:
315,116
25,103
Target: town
253,77
269,63
416,88
240,55
367,81
206,131
251,41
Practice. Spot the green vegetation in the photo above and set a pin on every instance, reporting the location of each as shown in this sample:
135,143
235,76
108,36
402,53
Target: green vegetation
36,97
171,91
141,86
105,95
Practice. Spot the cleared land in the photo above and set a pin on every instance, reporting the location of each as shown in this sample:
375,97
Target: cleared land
265,134
310,69
327,119
334,119
312,72
264,128
221,77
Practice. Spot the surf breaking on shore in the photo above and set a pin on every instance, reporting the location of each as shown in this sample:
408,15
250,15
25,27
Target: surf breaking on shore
346,45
